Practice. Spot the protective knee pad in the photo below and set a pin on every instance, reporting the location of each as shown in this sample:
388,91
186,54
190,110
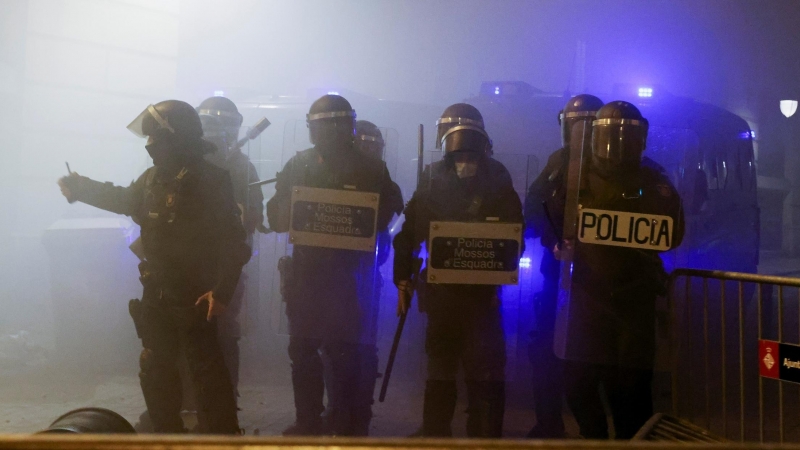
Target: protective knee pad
302,352
146,360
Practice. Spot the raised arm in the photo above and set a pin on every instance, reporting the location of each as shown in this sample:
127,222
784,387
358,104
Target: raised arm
107,196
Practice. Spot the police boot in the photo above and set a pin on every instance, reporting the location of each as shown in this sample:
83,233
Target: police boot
345,374
161,388
309,389
362,409
438,408
216,412
486,406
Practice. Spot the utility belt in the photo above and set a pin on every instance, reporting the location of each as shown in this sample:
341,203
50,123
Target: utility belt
158,291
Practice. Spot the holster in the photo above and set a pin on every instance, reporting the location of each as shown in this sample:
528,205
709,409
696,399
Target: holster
288,278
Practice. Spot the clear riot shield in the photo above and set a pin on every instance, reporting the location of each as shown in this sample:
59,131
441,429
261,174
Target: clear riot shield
329,212
473,247
386,291
616,224
391,139
241,161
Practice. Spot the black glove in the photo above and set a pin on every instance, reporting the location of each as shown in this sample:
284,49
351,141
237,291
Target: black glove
70,186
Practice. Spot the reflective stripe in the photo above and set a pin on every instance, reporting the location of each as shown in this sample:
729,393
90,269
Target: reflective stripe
634,122
581,114
330,115
216,112
161,121
478,123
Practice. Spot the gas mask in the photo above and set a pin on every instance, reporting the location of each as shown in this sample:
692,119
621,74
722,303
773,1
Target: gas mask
466,169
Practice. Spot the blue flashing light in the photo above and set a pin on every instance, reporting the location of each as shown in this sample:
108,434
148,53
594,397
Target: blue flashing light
497,90
219,93
525,262
645,92
333,93
747,135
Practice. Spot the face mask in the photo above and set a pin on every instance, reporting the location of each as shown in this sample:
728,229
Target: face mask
466,169
159,150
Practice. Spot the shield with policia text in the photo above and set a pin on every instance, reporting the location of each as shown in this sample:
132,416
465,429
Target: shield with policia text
471,236
616,217
332,213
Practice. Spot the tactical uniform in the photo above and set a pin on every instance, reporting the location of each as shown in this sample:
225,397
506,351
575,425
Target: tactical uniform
369,142
464,321
548,376
194,243
610,332
330,296
221,123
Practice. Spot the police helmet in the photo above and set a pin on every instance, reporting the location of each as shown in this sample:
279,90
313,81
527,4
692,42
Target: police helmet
331,119
221,121
369,139
582,107
455,115
619,136
172,127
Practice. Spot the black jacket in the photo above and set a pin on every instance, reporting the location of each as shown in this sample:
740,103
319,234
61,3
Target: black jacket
192,236
242,173
331,290
441,195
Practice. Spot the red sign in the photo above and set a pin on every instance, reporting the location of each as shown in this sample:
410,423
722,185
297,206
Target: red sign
769,359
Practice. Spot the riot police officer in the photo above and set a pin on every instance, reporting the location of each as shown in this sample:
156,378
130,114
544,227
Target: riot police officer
194,246
464,321
548,386
369,141
221,123
329,294
608,337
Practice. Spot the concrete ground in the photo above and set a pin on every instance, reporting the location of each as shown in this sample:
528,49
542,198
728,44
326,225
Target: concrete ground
35,390
30,403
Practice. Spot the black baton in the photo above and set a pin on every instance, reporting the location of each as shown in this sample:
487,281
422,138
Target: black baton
392,354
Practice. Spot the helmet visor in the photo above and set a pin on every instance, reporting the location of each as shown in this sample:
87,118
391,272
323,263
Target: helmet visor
148,122
371,146
466,138
446,123
332,130
618,141
227,118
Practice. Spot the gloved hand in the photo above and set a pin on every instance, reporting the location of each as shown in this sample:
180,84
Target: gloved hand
565,252
69,186
404,293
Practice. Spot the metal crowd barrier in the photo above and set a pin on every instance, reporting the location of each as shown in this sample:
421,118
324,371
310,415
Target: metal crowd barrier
716,338
665,428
